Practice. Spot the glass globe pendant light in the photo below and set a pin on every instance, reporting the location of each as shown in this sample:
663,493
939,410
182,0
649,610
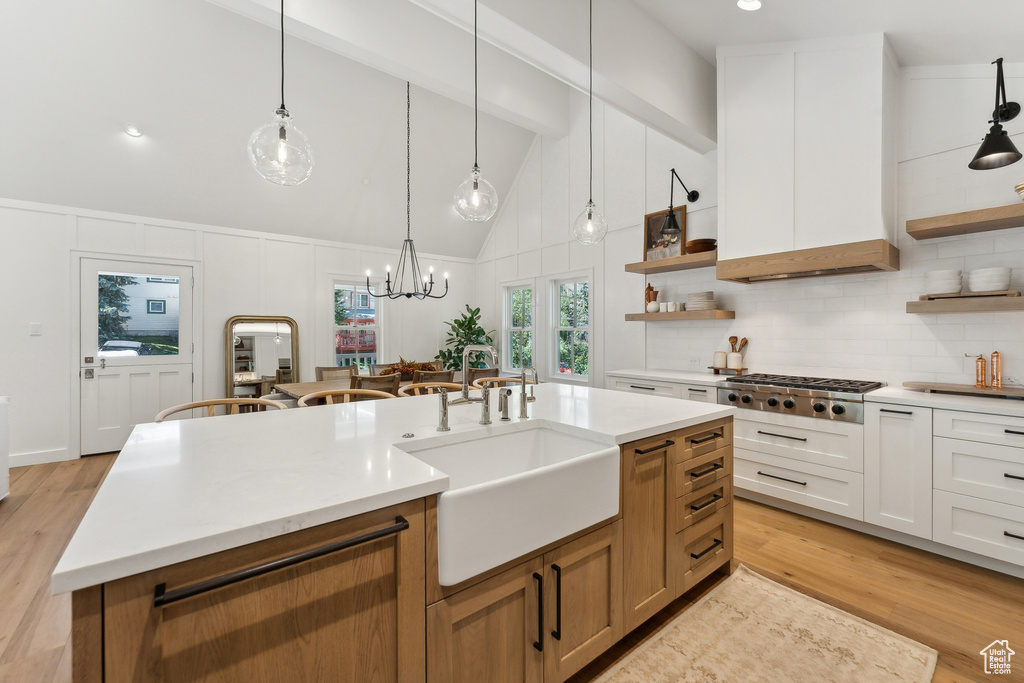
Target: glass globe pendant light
279,151
590,226
476,199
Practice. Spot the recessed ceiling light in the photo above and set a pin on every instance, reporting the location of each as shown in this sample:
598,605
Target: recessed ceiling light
749,5
366,181
133,129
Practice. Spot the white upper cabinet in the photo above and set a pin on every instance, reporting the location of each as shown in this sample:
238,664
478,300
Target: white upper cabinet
807,145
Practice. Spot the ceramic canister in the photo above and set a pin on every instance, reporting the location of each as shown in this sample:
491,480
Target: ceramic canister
734,361
719,359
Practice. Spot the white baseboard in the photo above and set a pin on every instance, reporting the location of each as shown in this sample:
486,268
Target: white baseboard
888,534
41,457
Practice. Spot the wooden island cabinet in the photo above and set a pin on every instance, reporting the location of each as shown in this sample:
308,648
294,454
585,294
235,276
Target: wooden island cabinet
359,600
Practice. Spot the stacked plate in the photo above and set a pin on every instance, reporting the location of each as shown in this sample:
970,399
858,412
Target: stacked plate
943,282
989,279
701,301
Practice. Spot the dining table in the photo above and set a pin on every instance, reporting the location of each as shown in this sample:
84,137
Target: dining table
300,389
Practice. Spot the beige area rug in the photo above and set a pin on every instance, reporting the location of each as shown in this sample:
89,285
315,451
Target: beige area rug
752,629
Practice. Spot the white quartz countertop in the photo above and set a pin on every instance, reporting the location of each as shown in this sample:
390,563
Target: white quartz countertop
187,488
1011,407
676,376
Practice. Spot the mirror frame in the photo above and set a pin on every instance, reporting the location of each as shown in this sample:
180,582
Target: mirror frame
229,346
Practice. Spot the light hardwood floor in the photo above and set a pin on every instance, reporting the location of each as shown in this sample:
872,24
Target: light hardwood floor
956,608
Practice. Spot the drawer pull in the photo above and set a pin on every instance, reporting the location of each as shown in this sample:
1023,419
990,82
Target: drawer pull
698,475
1019,538
898,412
557,633
698,391
655,448
1012,476
783,436
697,508
714,436
640,386
707,550
775,476
1013,431
538,644
162,597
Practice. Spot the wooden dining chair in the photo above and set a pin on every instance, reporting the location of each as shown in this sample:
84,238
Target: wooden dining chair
333,396
488,382
424,388
231,406
329,372
375,368
388,383
473,374
438,375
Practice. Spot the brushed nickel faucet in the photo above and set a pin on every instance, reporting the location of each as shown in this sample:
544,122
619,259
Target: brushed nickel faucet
523,399
485,397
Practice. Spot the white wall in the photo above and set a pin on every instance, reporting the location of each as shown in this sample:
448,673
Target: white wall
852,326
237,273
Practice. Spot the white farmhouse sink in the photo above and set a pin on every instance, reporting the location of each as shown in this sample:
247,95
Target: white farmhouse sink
515,488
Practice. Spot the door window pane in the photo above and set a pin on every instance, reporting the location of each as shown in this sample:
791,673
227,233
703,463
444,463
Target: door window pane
137,315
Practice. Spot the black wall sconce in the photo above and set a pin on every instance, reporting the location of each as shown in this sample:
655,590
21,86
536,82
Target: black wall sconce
671,228
997,149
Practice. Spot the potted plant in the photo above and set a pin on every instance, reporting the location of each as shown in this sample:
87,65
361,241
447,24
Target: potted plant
462,332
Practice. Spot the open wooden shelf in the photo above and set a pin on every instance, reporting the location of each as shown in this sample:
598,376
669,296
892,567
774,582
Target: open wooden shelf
967,222
969,303
666,265
714,314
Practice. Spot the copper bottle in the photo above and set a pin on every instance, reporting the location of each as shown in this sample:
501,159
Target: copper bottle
997,370
980,374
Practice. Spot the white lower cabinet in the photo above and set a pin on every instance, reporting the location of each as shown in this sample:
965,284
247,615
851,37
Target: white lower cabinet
898,468
831,489
697,392
980,526
646,386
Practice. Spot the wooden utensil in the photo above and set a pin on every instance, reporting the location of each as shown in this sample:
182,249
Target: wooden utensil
732,342
743,342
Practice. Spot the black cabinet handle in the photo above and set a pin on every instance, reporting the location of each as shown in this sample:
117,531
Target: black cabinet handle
774,476
783,436
714,436
707,550
1019,538
162,597
1011,431
1012,476
637,386
697,391
698,475
557,633
539,643
697,508
898,412
655,448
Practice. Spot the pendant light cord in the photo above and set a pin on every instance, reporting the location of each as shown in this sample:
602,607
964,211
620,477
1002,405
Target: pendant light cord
476,93
408,165
591,101
282,57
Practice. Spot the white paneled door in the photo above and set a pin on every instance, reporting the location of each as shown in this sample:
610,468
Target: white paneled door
136,347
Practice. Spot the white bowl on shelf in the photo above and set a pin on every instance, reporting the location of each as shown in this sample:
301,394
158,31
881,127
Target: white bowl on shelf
943,286
1001,271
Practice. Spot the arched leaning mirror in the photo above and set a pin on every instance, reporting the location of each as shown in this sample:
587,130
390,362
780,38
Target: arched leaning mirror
259,351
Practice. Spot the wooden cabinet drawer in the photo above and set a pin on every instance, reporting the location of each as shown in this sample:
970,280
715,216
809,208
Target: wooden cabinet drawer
825,488
702,548
703,470
706,438
822,442
994,429
980,526
703,502
647,386
979,469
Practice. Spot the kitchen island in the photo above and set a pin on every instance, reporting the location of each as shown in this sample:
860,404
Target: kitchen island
196,500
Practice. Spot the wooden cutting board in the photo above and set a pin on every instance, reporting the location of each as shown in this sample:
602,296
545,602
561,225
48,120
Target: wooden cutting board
936,387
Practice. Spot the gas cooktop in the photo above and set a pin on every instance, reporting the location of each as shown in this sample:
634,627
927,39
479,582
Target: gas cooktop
825,384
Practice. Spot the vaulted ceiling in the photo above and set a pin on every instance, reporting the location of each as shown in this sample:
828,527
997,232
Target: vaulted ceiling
200,75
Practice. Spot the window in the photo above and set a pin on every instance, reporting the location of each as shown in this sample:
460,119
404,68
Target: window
156,306
571,304
356,328
518,334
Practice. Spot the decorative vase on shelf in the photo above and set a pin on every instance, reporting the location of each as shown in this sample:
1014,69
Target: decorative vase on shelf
653,307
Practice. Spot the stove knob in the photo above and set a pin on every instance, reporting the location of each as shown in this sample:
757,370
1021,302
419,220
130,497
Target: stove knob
733,397
819,407
789,403
747,398
772,401
838,410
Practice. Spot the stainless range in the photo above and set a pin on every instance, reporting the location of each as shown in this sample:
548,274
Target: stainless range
826,399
